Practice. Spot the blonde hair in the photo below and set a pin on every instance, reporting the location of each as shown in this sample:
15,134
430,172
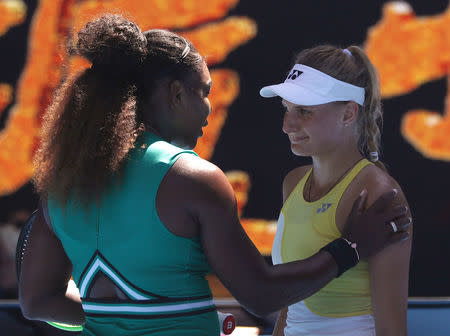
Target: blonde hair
355,69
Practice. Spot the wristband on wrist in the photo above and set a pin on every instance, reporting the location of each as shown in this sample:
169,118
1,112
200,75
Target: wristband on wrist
66,327
344,253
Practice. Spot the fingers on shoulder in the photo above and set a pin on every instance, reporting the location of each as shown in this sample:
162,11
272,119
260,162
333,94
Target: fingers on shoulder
378,183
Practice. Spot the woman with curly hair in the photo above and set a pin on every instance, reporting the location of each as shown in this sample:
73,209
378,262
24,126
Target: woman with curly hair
136,217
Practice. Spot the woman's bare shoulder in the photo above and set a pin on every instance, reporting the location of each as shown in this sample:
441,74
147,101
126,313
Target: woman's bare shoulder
376,181
371,178
292,179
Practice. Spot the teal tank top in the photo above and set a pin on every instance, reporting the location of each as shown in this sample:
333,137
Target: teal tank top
122,238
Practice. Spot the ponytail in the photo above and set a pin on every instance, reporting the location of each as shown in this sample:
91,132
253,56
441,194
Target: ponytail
92,123
370,118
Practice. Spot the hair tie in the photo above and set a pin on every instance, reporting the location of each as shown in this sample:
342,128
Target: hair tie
348,52
373,156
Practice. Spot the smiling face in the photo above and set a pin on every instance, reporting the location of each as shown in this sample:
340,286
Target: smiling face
314,130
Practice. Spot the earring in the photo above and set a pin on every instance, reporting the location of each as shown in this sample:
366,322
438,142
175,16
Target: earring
345,125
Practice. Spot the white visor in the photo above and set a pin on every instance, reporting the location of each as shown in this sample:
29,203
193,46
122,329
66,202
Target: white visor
307,86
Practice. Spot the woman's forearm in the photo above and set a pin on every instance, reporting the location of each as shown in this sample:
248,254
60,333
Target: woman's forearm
45,290
56,308
285,284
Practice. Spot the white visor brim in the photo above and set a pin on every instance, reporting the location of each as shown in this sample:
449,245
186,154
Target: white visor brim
294,94
308,86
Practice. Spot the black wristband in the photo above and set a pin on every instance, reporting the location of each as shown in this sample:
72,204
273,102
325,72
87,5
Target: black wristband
343,253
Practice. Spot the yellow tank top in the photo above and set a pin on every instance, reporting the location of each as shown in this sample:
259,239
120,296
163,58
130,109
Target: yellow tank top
303,228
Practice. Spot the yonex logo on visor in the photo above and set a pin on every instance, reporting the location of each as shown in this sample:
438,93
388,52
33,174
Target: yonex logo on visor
294,74
307,86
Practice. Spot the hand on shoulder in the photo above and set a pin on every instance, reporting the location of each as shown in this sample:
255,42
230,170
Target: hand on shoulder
377,182
365,217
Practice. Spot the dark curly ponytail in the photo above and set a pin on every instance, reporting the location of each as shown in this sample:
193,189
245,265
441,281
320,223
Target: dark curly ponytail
95,118
92,123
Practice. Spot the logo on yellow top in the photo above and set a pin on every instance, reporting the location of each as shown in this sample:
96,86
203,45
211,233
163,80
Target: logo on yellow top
325,207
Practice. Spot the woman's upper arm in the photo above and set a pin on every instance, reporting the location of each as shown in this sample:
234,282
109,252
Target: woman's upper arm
203,193
46,268
389,273
225,242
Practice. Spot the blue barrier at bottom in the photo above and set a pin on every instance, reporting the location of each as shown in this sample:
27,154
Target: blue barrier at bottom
426,317
430,317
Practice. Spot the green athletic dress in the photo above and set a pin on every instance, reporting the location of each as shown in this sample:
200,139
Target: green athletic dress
163,275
